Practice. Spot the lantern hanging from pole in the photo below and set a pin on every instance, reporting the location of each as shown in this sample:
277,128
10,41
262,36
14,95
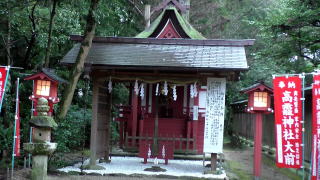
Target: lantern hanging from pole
45,86
258,103
259,98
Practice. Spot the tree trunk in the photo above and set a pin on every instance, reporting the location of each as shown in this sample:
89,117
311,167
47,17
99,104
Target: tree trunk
8,45
31,43
51,23
79,64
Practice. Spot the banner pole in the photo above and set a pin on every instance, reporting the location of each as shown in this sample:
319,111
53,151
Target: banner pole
30,133
303,119
4,88
15,125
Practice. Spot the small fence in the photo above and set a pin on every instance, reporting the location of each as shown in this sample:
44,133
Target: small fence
180,143
243,125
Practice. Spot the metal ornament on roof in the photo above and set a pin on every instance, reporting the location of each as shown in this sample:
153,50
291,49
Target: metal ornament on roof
110,85
142,90
157,89
174,92
165,88
136,87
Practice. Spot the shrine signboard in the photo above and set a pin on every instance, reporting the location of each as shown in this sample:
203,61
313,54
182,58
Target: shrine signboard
214,119
288,118
315,127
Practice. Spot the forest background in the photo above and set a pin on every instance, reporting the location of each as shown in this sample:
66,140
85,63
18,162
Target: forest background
35,34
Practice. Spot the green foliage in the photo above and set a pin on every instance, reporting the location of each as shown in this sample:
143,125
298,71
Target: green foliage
74,130
291,35
120,94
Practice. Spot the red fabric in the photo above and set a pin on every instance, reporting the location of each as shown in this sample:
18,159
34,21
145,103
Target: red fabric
3,75
315,126
17,145
288,117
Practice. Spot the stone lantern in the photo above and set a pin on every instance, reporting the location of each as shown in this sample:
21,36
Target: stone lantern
41,146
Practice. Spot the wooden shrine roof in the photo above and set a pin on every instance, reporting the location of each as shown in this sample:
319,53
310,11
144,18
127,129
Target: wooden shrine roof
184,28
154,53
50,73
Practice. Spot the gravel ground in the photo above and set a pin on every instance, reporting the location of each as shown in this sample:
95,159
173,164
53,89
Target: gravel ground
245,160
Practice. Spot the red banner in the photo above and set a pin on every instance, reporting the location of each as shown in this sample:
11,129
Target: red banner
17,136
315,126
3,78
288,117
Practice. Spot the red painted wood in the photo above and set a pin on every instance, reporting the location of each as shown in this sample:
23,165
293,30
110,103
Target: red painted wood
121,134
257,145
189,128
168,127
195,130
141,126
169,31
128,128
144,147
134,114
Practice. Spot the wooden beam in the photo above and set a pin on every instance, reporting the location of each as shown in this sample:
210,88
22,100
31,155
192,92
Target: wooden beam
156,127
200,42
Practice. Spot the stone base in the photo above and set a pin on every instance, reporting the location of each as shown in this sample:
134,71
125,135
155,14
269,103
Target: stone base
45,148
105,161
93,167
155,169
39,167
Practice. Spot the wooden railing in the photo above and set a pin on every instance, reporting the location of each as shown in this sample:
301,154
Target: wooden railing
180,144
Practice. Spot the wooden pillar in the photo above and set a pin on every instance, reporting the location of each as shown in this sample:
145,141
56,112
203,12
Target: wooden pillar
257,146
150,99
156,127
134,104
213,161
185,99
147,15
121,131
108,122
94,123
195,135
141,123
195,122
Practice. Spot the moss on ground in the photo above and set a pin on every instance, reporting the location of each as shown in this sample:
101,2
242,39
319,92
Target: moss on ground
287,172
234,172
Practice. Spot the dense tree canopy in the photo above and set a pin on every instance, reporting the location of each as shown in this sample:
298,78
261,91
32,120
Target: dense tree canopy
287,34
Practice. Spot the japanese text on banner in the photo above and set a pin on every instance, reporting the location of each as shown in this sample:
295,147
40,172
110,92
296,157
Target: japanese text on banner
288,117
315,127
3,77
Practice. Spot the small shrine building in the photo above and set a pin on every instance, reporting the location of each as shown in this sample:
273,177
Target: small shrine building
176,79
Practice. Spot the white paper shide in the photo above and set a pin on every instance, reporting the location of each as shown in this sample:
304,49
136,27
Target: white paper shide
214,119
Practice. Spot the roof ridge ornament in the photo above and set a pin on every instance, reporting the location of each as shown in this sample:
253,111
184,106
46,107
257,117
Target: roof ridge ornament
162,6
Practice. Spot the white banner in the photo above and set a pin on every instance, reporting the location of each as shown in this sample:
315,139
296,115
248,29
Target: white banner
214,120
